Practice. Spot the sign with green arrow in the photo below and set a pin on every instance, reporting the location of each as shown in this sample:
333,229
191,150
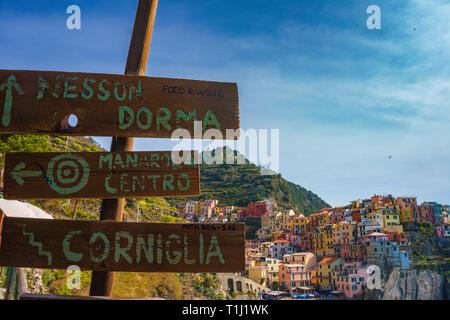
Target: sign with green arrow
101,175
44,102
8,86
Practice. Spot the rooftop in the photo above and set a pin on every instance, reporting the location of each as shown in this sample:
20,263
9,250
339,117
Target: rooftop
328,260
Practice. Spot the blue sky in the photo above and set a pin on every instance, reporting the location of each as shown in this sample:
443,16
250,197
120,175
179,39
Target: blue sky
344,97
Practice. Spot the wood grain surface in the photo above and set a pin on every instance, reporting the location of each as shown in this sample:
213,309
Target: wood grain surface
102,175
119,246
41,102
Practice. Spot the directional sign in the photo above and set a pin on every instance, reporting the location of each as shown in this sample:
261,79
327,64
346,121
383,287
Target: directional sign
41,102
119,246
100,175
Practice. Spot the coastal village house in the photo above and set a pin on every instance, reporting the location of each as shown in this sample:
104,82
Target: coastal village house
327,266
351,279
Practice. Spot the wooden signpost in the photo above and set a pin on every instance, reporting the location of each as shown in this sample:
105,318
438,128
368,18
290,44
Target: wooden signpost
119,246
99,175
124,107
41,102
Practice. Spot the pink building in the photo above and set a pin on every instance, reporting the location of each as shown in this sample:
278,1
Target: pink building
406,202
443,232
351,280
375,199
301,243
293,276
211,203
296,241
337,216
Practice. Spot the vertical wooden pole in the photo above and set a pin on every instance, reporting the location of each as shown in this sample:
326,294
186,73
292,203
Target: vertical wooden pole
22,286
112,209
11,282
75,207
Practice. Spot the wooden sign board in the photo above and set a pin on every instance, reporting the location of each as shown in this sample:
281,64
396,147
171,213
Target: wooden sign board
119,246
41,102
99,175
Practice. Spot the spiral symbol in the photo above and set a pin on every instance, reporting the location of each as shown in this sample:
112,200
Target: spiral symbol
68,173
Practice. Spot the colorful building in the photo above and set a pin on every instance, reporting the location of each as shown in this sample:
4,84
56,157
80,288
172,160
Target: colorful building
443,232
258,274
326,267
324,245
406,202
344,233
257,209
406,215
391,219
294,277
280,248
351,252
351,280
306,258
272,269
375,218
298,225
385,253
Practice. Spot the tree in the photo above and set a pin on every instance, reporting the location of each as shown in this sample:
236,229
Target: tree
23,143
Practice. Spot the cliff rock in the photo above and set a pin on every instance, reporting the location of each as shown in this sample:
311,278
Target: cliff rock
414,285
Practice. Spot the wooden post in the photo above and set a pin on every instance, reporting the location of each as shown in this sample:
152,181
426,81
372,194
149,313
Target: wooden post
75,207
2,217
112,209
11,282
22,286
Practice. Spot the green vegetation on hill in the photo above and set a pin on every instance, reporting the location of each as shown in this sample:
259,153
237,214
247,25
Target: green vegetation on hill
240,184
426,252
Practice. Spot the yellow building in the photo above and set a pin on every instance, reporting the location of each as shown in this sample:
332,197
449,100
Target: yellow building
258,274
324,241
405,215
197,208
298,225
283,217
275,235
272,265
314,276
326,267
391,219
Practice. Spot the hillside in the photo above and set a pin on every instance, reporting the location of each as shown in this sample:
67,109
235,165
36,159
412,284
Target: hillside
238,185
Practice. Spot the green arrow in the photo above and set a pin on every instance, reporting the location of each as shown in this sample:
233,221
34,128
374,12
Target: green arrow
18,174
10,83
